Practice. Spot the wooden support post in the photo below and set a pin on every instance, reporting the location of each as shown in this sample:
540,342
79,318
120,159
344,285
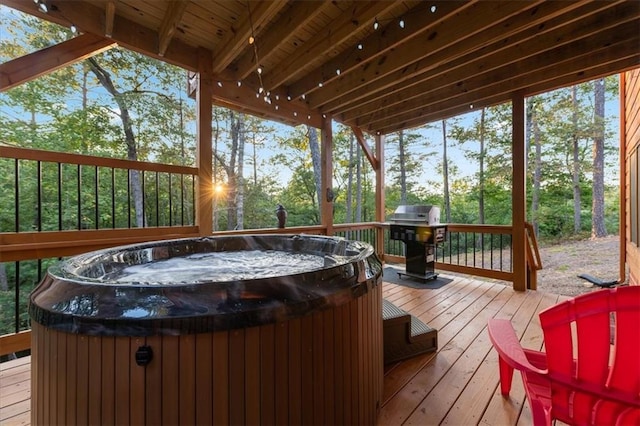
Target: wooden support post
204,192
518,194
624,184
380,200
326,162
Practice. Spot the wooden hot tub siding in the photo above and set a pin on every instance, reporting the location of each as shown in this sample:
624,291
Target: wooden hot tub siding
323,368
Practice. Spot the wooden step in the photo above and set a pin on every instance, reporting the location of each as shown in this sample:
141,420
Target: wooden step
404,335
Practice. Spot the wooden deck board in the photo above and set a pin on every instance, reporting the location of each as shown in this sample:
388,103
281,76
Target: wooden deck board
458,384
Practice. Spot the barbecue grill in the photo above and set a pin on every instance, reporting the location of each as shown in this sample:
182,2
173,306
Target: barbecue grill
419,228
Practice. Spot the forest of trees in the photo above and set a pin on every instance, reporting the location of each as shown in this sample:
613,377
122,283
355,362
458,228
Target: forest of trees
124,105
121,104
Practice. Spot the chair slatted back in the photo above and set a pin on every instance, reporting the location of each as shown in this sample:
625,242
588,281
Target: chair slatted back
592,344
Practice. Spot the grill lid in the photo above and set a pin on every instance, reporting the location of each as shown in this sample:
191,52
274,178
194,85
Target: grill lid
416,215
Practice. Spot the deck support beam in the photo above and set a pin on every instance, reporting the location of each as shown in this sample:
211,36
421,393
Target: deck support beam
380,199
204,155
518,193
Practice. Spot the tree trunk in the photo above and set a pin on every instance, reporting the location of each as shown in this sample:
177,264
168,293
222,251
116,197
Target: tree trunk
231,172
481,171
359,160
445,174
240,174
537,173
577,225
598,228
402,160
314,147
132,154
349,207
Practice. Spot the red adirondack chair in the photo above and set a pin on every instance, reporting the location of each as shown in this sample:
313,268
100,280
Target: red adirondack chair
590,372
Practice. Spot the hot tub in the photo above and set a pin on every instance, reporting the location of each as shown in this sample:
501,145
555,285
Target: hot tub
221,330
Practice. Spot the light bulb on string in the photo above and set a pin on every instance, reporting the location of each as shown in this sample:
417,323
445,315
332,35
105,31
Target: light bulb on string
259,69
338,71
401,23
376,24
360,46
251,39
43,7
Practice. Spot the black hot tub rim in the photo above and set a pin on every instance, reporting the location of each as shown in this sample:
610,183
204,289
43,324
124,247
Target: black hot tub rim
72,298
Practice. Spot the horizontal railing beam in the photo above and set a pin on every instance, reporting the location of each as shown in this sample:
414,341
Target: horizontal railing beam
15,342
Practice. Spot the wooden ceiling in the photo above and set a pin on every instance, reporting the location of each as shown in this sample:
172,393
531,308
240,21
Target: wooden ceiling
423,61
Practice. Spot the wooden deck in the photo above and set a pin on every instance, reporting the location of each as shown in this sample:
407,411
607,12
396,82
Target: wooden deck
458,385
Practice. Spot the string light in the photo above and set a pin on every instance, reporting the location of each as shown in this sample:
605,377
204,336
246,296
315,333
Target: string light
401,23
433,9
219,84
239,83
73,29
42,6
360,46
376,24
338,71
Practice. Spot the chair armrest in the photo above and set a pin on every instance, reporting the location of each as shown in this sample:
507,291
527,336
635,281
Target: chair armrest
504,339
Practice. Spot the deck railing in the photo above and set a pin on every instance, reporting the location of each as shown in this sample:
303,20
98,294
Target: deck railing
89,206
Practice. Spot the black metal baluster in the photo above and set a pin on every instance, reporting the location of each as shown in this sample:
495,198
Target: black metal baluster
16,171
491,258
17,296
113,197
79,181
193,200
39,196
501,248
128,198
182,200
170,202
144,199
59,196
157,200
96,196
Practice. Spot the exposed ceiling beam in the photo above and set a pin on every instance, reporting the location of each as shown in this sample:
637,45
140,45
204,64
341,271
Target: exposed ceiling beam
172,18
417,20
89,18
496,88
244,98
361,14
237,39
442,36
492,56
597,71
281,31
462,55
45,61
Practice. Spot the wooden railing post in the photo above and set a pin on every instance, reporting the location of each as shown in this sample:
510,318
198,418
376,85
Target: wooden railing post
204,156
518,194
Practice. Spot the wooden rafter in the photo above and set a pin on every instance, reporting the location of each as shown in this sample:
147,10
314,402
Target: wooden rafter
501,81
236,40
411,93
442,36
419,20
401,85
171,19
288,24
33,65
362,13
